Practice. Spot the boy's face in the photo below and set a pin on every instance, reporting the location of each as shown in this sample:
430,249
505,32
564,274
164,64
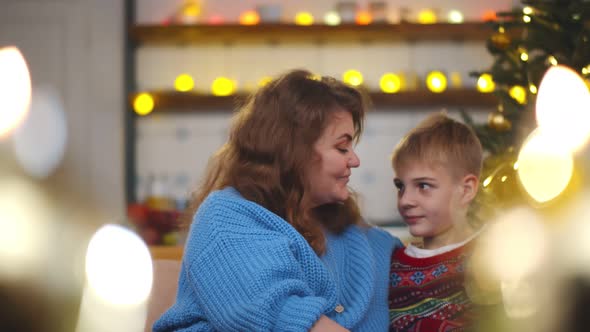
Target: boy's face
432,202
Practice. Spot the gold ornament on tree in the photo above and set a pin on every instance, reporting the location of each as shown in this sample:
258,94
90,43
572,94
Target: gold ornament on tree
498,121
500,40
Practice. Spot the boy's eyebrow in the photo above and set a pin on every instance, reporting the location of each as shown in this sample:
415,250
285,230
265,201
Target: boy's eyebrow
424,178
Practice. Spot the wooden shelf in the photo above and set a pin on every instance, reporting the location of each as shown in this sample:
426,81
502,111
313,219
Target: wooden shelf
228,33
189,102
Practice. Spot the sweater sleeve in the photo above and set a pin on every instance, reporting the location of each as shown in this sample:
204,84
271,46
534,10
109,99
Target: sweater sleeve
248,279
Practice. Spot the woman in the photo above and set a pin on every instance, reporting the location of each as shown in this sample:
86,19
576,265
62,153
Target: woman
277,242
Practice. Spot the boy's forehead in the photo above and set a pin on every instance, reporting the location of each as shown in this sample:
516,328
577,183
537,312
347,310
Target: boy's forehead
416,167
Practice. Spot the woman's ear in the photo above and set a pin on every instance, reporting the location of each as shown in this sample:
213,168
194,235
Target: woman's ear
469,186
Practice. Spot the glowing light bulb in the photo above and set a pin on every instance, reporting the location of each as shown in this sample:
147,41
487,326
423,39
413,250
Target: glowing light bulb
526,18
390,83
485,83
427,16
436,82
303,18
455,16
143,104
15,89
527,10
353,77
249,17
518,93
562,107
524,57
533,89
332,18
223,86
184,82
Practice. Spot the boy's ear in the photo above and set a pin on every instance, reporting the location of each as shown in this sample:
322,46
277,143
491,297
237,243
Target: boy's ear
469,186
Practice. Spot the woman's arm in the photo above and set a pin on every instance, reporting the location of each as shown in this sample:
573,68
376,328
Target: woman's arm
326,324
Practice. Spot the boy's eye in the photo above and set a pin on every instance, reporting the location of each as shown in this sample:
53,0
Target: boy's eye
398,185
424,185
342,150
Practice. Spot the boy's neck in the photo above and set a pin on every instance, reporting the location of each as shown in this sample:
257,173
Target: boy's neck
453,235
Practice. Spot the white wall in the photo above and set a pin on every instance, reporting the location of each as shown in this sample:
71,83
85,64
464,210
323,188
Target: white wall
76,47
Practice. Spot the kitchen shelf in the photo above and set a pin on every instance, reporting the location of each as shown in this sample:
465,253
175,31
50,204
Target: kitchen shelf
228,33
190,102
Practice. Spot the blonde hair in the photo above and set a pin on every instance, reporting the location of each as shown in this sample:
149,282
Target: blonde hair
440,140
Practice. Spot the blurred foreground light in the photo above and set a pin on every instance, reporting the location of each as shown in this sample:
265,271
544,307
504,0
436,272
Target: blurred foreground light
24,215
40,142
119,266
427,16
303,18
15,89
545,167
562,107
515,244
249,17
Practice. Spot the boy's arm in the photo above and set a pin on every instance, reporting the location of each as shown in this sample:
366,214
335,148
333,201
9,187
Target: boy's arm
326,324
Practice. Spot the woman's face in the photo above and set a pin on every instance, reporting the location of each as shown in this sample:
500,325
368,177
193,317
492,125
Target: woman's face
330,170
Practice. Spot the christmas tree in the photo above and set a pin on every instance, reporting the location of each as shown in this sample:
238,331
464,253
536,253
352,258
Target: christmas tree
525,43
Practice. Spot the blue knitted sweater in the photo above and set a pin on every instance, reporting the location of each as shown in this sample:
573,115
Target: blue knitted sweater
246,269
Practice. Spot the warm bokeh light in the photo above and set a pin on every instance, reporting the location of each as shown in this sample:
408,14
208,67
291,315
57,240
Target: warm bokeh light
456,79
143,104
363,18
552,60
489,15
518,93
353,77
184,82
24,216
223,86
119,266
545,166
526,19
249,17
427,16
303,18
391,83
485,83
15,89
527,10
436,81
332,18
524,56
455,16
562,107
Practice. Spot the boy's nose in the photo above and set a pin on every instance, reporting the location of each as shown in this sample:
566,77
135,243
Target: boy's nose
405,201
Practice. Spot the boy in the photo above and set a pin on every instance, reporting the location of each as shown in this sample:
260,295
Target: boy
437,167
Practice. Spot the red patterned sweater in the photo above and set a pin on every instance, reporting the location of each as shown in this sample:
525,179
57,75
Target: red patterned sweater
428,294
